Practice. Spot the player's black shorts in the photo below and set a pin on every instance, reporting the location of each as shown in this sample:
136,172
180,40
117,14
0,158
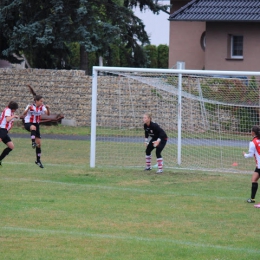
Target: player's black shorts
257,170
28,125
4,136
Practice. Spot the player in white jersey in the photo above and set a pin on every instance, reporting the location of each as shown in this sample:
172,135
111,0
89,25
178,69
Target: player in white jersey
32,119
254,151
6,123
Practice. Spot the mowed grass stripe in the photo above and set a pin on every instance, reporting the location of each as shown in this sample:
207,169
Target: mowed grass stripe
114,188
120,237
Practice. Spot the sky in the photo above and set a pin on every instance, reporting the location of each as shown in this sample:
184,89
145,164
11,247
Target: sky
156,26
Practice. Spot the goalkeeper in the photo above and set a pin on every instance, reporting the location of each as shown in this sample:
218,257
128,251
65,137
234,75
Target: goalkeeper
254,151
158,140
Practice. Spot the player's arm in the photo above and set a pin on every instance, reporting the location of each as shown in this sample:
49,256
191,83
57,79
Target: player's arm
47,111
10,118
146,141
251,151
26,110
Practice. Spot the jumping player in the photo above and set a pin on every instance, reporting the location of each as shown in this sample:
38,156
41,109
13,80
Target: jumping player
254,151
158,141
32,118
6,123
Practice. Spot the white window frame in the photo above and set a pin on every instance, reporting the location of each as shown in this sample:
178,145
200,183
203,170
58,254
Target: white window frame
232,47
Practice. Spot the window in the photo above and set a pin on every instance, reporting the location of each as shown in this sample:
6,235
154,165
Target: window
236,45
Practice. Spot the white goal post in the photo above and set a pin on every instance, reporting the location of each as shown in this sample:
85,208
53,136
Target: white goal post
207,115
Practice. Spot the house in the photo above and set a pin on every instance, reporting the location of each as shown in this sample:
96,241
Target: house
215,34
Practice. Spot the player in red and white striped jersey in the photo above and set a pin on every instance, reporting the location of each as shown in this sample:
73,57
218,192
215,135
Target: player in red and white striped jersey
32,119
34,112
6,123
254,151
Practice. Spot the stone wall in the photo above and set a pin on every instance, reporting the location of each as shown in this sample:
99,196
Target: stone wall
122,101
66,91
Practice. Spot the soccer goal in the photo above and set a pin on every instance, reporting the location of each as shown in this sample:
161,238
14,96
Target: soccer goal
207,116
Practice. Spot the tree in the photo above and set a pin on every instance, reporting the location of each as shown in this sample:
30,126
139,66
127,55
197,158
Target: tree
73,59
152,54
163,56
151,4
43,30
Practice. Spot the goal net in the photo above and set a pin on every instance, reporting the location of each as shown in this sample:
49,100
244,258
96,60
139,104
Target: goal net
207,116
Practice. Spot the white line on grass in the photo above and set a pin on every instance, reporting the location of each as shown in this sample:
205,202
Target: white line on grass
145,239
104,187
50,164
219,171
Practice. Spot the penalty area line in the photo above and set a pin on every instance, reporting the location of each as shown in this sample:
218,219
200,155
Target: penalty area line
127,237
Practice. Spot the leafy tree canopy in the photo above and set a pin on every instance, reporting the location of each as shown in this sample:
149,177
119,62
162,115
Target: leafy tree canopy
151,4
42,29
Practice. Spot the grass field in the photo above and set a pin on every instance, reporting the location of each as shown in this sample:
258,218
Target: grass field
69,211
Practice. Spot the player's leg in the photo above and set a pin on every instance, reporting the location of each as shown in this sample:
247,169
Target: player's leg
32,129
159,149
10,146
33,135
38,147
254,186
148,156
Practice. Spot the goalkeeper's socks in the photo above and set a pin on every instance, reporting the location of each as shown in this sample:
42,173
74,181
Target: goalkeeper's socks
160,163
148,159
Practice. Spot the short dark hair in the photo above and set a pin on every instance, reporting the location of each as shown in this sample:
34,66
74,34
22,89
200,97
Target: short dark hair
13,105
256,130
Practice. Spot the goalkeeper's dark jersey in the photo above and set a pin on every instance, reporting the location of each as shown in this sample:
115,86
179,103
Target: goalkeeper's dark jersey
154,131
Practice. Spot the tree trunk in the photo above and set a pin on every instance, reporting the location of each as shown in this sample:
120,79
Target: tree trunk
83,59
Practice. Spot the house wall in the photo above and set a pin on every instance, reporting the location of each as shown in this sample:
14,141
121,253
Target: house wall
185,44
216,54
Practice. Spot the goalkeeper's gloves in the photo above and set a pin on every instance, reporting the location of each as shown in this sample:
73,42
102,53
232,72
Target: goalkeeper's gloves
146,142
156,143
